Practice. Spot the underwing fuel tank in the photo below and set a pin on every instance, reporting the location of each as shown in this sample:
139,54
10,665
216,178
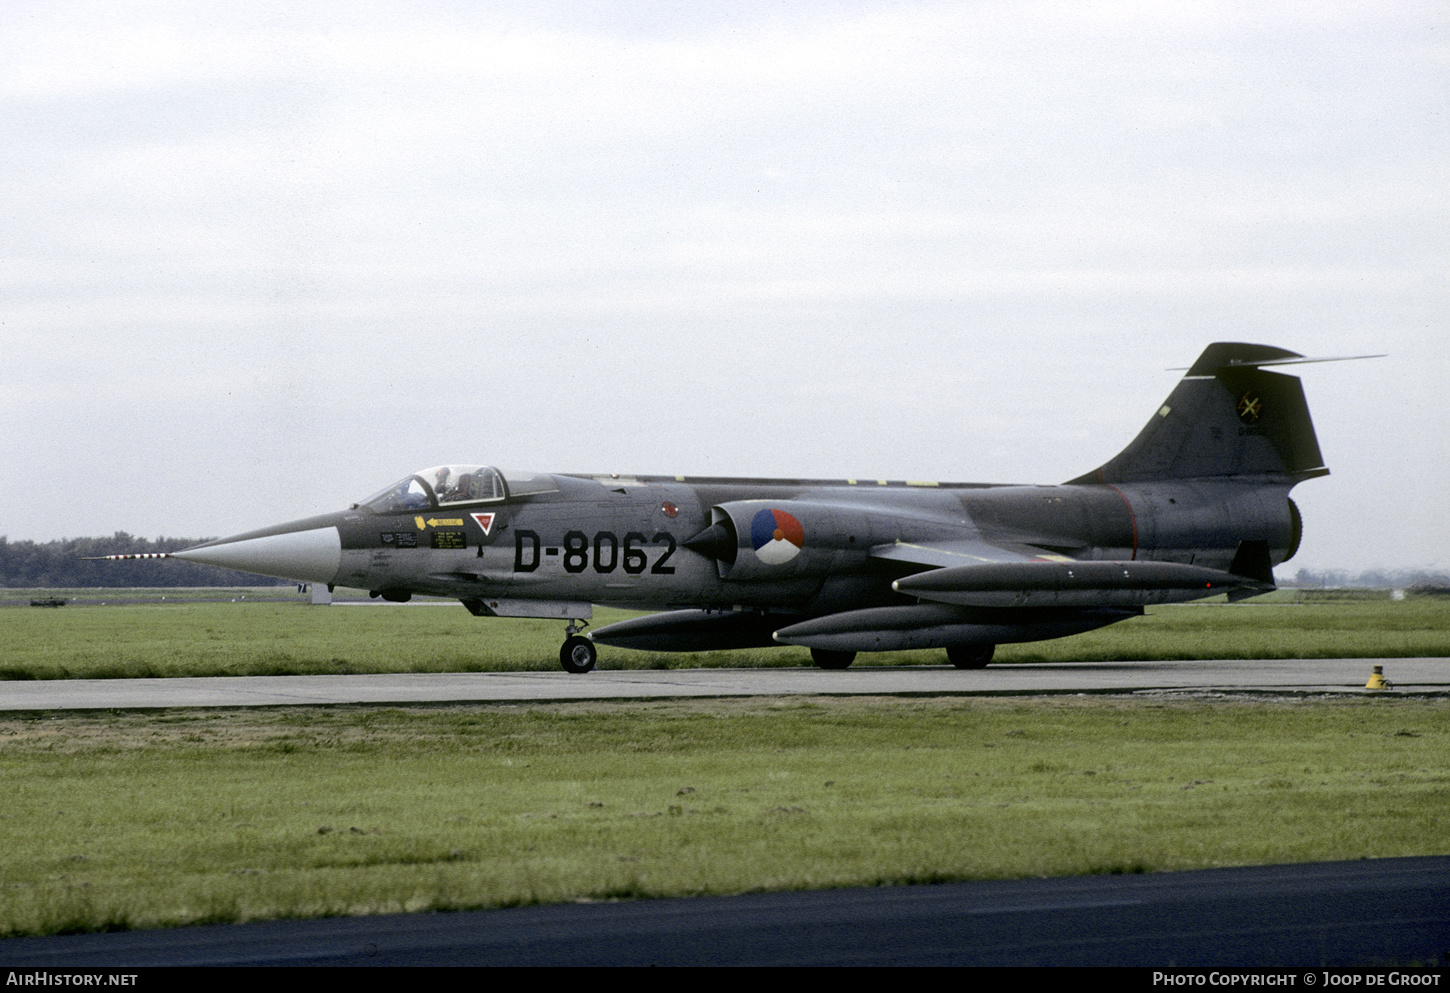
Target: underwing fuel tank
938,625
692,631
1071,584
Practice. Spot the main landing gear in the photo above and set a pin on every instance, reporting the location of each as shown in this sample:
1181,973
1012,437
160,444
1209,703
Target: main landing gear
970,656
578,653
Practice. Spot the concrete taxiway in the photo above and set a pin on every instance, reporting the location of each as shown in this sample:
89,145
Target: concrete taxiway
1293,676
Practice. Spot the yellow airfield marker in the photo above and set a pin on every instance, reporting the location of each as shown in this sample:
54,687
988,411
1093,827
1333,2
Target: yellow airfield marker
1377,680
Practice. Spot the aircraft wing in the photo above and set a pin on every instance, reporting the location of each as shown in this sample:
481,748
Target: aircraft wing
956,552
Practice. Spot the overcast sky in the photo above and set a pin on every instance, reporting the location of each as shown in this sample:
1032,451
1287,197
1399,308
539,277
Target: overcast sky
259,260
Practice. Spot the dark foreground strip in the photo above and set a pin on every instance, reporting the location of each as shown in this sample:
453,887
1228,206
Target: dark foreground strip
1389,916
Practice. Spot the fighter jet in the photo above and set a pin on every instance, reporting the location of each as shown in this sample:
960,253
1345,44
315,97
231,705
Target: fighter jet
1197,505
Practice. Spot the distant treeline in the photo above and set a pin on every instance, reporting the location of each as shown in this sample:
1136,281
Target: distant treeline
59,564
1379,579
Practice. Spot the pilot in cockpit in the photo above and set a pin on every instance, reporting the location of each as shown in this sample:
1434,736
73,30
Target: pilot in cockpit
440,485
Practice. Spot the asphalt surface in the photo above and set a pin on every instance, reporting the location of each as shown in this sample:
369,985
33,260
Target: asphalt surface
1387,912
1423,675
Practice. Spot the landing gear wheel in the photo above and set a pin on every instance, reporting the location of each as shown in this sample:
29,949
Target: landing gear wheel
578,654
971,656
832,660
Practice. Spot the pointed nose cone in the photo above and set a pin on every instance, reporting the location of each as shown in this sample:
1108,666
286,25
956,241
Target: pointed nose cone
311,554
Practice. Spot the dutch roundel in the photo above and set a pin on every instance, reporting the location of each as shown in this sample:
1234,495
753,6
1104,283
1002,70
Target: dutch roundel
776,536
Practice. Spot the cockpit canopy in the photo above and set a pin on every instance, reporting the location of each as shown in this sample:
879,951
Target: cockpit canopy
450,485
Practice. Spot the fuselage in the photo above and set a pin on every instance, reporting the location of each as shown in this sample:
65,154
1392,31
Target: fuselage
627,540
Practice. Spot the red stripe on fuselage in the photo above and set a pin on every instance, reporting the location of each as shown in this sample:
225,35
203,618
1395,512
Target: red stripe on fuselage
1131,517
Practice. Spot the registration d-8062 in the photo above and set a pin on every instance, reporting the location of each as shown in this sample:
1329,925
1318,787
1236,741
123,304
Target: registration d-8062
605,551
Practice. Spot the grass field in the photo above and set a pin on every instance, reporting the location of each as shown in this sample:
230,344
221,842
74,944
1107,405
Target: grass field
120,820
130,820
245,634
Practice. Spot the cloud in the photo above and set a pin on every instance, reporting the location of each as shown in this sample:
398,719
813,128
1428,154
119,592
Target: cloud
913,240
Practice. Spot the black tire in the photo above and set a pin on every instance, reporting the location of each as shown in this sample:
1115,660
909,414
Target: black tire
971,656
578,654
831,660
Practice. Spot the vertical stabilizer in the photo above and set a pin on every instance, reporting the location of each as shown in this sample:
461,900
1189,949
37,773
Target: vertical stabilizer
1227,417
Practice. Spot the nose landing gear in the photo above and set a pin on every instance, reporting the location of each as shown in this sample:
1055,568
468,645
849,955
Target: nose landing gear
578,653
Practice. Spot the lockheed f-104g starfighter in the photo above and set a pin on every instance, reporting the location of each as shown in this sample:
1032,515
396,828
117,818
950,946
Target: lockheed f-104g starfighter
1197,505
